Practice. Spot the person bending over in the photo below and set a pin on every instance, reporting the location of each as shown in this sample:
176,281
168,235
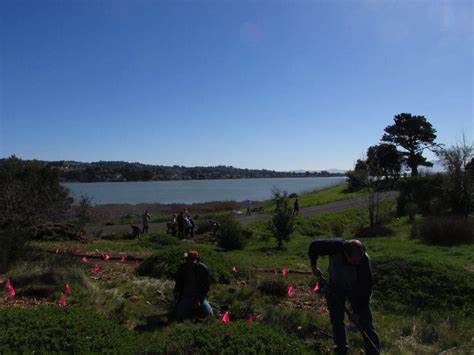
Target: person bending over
350,278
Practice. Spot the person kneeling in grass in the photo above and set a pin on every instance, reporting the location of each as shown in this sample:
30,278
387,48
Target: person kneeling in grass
191,288
350,277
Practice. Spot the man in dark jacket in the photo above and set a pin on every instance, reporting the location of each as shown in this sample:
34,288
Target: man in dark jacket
192,285
350,277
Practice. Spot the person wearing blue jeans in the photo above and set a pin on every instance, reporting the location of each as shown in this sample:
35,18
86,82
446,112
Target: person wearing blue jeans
192,284
350,278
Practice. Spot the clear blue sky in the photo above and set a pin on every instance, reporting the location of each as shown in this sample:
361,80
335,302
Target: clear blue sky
258,84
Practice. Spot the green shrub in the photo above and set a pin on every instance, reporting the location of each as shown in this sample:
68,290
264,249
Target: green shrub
31,195
446,230
70,330
282,224
233,338
165,263
411,286
422,191
231,234
13,242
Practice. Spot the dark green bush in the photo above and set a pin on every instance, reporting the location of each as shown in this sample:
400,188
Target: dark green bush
165,263
233,338
445,230
232,235
410,286
70,330
424,191
282,224
274,288
31,195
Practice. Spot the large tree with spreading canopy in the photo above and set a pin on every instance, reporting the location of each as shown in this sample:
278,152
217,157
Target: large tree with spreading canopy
414,134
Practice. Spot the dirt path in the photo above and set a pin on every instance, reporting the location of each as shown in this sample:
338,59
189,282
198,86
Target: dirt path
337,206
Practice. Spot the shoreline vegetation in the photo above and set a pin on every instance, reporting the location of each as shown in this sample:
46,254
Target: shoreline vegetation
112,214
119,171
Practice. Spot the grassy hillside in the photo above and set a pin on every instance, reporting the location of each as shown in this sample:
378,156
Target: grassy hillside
422,299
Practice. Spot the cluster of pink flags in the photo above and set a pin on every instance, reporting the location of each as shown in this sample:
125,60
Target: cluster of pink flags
291,290
106,257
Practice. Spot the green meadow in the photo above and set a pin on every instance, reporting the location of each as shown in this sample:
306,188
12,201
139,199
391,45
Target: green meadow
423,295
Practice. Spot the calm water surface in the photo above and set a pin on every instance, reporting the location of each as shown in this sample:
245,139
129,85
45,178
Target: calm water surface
195,191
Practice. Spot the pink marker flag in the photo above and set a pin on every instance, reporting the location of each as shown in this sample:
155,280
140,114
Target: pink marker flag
8,285
107,257
225,318
68,290
316,287
12,291
62,302
123,259
276,272
234,269
250,318
284,271
84,260
96,268
290,291
65,250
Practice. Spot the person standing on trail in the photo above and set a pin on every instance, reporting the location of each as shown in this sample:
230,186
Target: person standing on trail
350,278
191,287
146,219
249,207
296,207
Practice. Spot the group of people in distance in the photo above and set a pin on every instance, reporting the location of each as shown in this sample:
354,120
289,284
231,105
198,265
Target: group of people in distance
182,225
350,279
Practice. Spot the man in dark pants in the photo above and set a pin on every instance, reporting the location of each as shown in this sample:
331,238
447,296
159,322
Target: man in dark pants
192,284
350,278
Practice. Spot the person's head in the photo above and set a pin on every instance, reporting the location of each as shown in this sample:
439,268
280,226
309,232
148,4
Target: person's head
354,251
192,256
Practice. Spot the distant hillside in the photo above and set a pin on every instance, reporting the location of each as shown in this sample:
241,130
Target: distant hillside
115,171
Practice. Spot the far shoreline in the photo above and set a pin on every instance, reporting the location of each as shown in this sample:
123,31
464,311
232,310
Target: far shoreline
223,179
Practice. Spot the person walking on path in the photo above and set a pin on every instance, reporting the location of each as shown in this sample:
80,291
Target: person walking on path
350,278
296,207
191,288
146,219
